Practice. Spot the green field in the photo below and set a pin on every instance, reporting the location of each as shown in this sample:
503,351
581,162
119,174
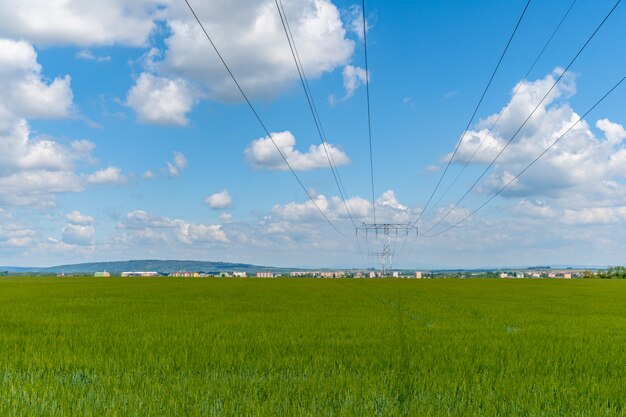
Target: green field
312,347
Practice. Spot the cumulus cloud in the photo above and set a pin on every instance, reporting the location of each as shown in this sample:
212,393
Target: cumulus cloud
583,164
183,69
141,226
160,100
219,201
34,169
251,38
78,234
76,22
76,217
333,207
110,175
78,230
262,154
13,234
595,215
388,209
23,91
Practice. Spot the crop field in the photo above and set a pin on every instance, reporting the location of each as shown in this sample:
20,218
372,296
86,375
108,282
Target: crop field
312,347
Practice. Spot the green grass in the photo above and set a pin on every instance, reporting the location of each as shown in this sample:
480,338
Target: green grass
312,347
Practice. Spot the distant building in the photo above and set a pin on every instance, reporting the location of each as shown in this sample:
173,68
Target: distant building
504,275
184,274
238,274
372,274
519,275
567,275
551,275
535,275
102,274
140,274
395,274
358,275
418,274
332,274
265,275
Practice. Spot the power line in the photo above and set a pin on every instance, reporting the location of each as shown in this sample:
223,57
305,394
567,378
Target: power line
312,106
533,162
519,85
527,119
469,123
256,115
369,112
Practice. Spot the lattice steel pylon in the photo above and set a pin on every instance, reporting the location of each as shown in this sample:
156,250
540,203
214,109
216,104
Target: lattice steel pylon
386,256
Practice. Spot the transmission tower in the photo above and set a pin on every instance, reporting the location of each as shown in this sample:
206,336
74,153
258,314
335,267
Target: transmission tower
386,229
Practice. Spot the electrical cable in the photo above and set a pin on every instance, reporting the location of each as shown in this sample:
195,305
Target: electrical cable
469,123
313,107
527,119
519,85
531,163
261,122
369,112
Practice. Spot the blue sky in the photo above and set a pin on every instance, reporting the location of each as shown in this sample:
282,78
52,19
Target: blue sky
124,137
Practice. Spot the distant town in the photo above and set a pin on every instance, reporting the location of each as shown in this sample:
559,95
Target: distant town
544,273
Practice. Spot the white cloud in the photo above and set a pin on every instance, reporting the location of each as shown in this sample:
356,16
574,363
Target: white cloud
354,18
250,37
88,55
78,234
595,215
219,201
172,171
388,199
37,187
23,91
76,217
148,175
33,169
185,69
77,22
110,175
431,168
333,208
353,77
179,160
582,167
14,235
388,209
160,100
141,226
262,154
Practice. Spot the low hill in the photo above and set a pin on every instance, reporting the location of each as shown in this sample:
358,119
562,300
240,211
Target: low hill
166,266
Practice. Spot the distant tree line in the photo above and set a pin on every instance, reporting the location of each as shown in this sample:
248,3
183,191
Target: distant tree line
612,272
